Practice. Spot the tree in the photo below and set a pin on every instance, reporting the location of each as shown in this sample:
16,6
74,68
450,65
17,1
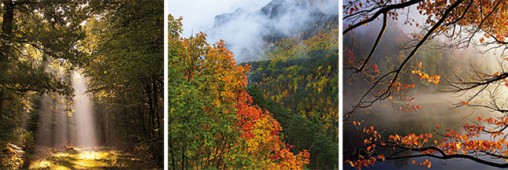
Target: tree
462,23
33,35
43,41
302,133
124,64
298,84
212,122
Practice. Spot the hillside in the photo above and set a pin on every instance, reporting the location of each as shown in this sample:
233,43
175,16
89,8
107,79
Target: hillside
298,84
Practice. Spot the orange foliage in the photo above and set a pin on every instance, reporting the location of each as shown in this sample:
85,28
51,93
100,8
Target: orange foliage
426,163
213,69
349,56
376,68
452,142
434,79
362,162
262,134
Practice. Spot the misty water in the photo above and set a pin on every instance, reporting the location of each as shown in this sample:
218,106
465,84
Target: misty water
437,108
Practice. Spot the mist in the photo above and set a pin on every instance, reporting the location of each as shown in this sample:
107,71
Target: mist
83,106
437,107
67,121
55,126
249,27
195,22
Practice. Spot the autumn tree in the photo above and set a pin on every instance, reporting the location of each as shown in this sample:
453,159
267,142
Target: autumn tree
212,121
462,23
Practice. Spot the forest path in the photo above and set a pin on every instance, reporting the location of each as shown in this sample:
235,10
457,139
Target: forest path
76,158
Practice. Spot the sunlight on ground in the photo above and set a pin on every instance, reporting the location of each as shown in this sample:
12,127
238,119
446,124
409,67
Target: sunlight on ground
86,159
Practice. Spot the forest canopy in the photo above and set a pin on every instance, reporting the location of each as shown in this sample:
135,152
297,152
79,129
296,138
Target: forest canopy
227,130
112,48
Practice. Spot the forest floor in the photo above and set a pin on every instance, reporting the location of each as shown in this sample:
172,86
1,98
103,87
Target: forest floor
76,158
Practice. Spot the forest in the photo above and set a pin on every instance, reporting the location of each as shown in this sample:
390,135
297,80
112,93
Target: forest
299,86
424,84
277,109
81,84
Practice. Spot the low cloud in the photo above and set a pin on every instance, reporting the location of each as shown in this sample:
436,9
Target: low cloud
245,25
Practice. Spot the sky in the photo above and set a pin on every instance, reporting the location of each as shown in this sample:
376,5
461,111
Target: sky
244,31
198,15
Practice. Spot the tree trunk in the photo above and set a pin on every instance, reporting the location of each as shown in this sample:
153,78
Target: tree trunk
150,108
6,36
32,128
156,108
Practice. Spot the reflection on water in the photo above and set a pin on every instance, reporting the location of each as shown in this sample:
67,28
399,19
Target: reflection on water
437,108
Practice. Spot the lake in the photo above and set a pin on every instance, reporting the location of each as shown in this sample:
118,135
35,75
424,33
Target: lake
437,108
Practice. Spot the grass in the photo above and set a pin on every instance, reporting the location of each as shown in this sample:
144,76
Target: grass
99,158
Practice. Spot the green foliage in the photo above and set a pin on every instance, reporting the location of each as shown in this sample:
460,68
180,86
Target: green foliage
212,122
124,64
32,35
299,85
123,37
301,132
201,120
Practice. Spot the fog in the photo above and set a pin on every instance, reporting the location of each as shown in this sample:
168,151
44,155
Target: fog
438,108
461,61
199,14
246,26
55,125
83,110
67,121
